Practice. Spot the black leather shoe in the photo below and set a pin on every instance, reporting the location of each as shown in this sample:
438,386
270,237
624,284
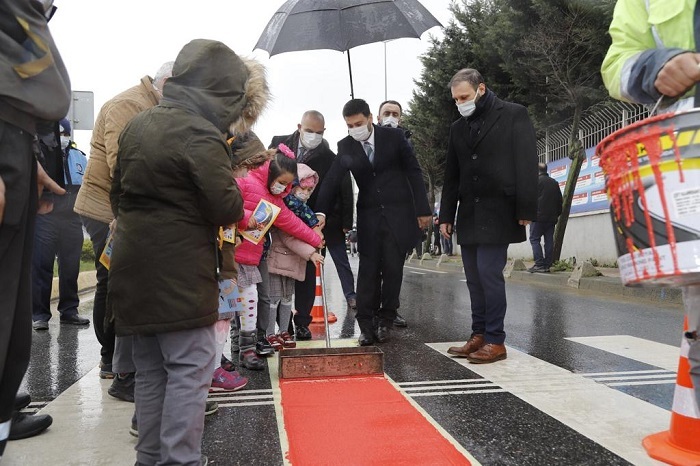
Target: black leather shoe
366,339
75,320
382,334
400,321
303,333
22,400
27,425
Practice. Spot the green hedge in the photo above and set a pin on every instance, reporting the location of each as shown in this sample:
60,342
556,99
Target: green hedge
87,254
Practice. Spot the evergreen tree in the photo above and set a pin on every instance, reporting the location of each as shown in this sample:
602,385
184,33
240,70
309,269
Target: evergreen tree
544,54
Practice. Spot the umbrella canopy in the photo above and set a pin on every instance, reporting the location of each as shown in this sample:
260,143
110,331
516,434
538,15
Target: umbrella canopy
342,24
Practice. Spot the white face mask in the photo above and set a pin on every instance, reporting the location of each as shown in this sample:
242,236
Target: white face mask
65,141
277,188
390,121
311,140
468,107
302,196
360,133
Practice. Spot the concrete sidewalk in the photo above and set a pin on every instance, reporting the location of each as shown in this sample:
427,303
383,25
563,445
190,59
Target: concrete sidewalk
607,283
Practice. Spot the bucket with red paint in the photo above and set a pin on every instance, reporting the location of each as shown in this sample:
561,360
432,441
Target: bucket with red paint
652,172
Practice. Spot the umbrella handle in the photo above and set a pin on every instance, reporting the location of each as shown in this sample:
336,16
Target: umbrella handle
325,306
352,92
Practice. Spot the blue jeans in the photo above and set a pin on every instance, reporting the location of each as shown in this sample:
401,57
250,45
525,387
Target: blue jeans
57,235
537,231
483,267
446,245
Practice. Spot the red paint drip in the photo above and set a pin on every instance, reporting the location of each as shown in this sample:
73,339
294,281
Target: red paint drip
620,160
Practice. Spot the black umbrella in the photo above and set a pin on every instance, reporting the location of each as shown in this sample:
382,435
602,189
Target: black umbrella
342,24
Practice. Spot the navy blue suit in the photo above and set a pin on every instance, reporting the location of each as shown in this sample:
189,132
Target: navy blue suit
391,197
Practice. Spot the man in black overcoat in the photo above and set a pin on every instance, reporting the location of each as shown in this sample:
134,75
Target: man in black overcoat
491,176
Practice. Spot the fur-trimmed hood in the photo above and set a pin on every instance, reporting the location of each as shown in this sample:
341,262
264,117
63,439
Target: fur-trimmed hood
257,96
211,80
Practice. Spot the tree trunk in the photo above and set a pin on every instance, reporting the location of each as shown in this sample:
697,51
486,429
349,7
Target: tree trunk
431,201
577,154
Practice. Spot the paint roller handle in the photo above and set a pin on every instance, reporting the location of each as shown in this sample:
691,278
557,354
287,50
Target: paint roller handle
325,306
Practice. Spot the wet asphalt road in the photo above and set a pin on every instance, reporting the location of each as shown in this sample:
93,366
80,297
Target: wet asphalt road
496,428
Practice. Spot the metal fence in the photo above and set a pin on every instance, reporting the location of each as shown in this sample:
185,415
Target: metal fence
597,123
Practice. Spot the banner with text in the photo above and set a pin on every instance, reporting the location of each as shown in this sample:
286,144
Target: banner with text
590,192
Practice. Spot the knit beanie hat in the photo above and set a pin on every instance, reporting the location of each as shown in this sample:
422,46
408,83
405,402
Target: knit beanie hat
307,177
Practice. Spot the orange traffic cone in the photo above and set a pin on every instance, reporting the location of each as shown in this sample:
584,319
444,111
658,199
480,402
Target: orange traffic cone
680,445
317,310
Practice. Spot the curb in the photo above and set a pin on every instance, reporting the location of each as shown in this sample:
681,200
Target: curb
602,284
86,282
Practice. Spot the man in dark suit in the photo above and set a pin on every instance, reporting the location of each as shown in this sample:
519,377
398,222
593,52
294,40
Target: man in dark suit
391,207
311,149
491,170
549,206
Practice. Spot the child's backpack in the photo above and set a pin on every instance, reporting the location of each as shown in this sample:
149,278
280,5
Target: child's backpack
74,162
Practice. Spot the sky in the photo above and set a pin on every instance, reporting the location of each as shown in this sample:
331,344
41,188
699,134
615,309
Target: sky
109,46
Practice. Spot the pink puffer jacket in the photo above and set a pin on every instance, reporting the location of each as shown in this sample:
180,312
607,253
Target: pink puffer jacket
288,256
253,187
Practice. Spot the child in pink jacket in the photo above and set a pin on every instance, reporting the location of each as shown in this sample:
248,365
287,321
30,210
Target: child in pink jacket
272,181
287,258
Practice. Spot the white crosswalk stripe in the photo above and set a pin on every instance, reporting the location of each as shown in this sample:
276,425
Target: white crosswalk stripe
242,398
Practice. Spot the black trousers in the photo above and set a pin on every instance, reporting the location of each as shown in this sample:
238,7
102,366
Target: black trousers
379,279
304,295
99,231
18,172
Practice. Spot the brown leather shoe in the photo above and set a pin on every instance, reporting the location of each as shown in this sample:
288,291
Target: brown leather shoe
474,343
490,352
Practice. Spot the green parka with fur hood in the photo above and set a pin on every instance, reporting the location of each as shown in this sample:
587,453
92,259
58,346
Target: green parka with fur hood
173,187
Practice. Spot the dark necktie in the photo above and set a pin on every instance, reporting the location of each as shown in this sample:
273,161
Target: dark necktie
369,151
301,153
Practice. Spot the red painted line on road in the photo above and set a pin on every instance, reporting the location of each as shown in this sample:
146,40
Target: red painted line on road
352,421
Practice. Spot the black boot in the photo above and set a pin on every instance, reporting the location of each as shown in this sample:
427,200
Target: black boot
122,387
247,357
